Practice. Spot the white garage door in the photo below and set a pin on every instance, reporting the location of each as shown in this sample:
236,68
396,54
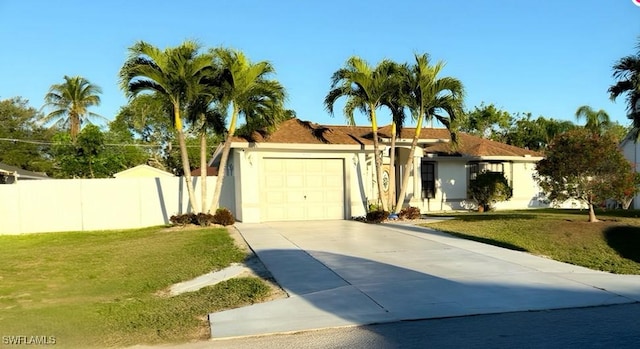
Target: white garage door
302,189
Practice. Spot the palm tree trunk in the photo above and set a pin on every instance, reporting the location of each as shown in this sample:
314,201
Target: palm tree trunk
185,159
378,158
408,168
74,126
392,165
203,169
215,203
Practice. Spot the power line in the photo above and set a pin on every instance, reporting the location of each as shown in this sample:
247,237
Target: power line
14,140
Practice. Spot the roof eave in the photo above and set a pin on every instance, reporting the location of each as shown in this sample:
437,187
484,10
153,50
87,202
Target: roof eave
300,146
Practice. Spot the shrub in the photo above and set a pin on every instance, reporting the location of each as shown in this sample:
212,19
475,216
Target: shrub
377,216
489,188
205,219
223,217
183,219
410,213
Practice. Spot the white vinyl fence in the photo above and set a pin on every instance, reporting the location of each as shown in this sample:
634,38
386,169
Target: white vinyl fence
98,204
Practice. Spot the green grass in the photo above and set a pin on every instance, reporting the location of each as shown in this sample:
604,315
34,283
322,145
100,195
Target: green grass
612,245
102,289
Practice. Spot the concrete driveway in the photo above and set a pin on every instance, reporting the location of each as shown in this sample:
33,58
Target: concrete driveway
341,273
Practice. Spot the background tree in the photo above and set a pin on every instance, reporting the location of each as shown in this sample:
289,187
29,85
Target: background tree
583,166
627,186
489,188
627,72
248,92
95,154
485,121
617,131
23,143
366,89
70,102
175,74
534,134
145,119
596,121
429,96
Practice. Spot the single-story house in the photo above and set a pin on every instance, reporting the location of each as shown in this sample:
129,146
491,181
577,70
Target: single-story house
143,171
306,171
11,174
631,150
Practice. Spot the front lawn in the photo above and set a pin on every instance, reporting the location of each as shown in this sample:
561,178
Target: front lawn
612,245
99,289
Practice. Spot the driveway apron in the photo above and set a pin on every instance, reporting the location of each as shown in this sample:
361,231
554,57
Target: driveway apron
341,273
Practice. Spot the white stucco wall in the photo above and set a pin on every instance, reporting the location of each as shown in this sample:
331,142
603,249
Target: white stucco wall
451,186
248,166
526,192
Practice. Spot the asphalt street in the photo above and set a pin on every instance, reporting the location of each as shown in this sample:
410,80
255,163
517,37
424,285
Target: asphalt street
601,327
615,326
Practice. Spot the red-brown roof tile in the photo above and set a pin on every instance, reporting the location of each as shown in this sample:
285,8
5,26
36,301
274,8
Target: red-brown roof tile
469,145
305,132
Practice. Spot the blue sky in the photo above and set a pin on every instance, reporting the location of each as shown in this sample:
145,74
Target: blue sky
547,57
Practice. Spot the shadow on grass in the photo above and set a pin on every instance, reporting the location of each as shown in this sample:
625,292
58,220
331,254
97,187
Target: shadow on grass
599,212
625,240
474,217
486,241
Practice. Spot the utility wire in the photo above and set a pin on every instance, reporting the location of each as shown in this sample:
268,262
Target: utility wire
107,144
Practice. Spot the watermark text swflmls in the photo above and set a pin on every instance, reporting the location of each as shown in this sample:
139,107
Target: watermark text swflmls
28,340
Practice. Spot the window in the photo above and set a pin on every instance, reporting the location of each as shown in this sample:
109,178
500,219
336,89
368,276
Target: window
478,167
428,174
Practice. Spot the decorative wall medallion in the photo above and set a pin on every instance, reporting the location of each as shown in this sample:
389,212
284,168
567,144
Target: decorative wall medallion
385,180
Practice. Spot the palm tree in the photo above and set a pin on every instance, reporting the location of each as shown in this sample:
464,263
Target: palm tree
429,97
70,101
597,121
627,72
205,115
395,102
366,89
176,74
247,92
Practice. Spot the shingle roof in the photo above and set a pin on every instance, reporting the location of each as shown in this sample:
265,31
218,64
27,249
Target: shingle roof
8,169
469,145
305,132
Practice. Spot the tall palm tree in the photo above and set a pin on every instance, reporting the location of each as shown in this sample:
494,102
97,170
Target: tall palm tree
247,92
206,116
597,121
627,72
366,89
70,101
395,102
429,97
176,74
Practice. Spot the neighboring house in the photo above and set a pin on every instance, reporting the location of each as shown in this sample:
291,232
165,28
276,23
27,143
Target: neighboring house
11,174
143,171
631,150
305,171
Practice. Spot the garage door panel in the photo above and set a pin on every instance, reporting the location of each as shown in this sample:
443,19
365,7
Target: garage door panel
299,189
296,181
